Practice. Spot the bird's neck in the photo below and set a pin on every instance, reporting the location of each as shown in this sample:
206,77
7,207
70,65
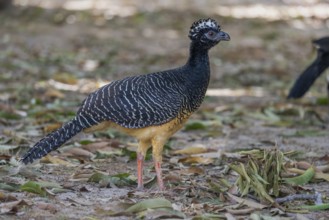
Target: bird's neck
197,65
197,78
198,56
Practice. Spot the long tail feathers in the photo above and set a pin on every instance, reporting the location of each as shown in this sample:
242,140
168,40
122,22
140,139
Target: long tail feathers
52,141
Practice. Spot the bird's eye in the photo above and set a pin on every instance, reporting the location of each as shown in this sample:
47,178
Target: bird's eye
211,34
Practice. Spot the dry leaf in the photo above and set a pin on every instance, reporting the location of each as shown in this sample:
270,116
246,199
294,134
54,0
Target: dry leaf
78,177
198,160
247,202
47,206
52,127
192,170
209,155
7,198
241,211
318,175
54,93
93,147
66,78
78,152
81,201
12,207
191,150
55,160
323,168
303,165
229,216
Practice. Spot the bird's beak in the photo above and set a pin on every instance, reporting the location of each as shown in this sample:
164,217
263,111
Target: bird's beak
223,36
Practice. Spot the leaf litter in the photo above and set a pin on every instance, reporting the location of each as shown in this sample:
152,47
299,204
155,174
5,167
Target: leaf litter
206,174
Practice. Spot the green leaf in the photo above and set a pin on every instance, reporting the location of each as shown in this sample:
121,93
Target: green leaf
9,187
85,142
196,125
307,133
320,207
302,179
33,187
101,154
97,177
9,115
149,204
131,154
49,185
121,179
322,100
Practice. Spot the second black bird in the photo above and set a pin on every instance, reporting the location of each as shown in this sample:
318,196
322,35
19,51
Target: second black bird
313,71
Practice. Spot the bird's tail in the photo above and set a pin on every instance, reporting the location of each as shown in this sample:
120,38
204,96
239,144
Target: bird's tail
52,141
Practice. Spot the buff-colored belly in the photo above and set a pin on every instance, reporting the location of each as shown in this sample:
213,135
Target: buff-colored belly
162,131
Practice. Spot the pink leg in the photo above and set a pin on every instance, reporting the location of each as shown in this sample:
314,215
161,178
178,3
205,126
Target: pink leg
158,171
140,164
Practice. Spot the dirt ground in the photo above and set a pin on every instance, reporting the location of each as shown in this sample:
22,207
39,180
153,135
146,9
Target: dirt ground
50,59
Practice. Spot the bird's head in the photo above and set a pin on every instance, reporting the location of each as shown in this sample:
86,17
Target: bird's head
207,33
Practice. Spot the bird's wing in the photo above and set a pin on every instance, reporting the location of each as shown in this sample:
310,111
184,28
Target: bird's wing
310,74
134,102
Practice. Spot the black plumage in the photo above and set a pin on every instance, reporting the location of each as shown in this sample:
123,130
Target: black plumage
313,71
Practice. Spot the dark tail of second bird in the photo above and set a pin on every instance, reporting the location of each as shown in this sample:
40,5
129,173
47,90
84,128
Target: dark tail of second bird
52,141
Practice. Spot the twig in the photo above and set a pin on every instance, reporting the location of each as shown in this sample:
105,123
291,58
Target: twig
316,197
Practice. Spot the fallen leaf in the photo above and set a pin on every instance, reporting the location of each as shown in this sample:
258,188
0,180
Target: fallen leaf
161,213
196,160
320,207
12,207
209,216
47,206
192,170
9,186
81,177
318,175
324,176
66,78
195,125
55,160
54,93
247,202
191,150
303,165
95,146
121,179
81,201
229,216
51,127
33,187
39,187
78,152
306,177
102,154
149,204
241,211
7,198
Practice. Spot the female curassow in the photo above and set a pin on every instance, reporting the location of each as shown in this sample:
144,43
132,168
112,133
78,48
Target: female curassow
150,107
